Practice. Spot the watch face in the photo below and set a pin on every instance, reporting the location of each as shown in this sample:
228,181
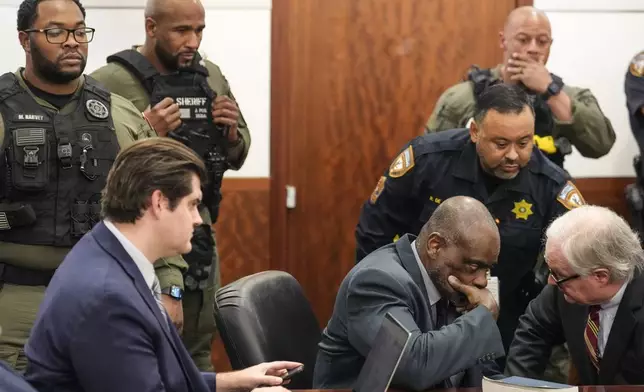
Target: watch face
175,292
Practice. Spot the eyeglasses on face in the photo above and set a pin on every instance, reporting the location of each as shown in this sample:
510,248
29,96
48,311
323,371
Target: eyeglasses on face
560,281
59,35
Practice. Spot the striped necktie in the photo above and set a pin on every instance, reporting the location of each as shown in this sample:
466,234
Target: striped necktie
156,292
591,333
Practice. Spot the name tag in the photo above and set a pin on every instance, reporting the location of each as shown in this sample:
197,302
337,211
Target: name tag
193,108
29,117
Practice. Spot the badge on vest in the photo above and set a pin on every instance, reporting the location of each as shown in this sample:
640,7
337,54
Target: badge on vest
193,108
522,209
97,109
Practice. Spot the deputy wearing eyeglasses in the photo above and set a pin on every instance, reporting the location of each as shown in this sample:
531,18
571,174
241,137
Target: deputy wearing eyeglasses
593,302
60,132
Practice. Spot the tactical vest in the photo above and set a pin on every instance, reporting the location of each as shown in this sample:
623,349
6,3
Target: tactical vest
190,90
554,149
55,165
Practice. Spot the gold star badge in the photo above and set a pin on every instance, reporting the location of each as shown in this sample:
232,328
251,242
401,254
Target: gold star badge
522,209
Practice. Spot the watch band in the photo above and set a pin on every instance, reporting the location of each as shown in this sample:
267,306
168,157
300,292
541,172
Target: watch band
554,88
173,291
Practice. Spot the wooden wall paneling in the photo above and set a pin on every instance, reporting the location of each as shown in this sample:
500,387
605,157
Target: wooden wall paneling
242,230
242,239
606,192
521,3
352,82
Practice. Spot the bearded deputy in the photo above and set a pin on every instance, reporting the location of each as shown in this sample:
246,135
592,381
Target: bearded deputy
181,93
60,132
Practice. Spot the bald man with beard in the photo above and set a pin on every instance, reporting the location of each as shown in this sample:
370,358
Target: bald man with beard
198,98
566,116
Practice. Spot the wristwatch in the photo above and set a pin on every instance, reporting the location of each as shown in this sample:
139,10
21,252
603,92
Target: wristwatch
554,88
173,291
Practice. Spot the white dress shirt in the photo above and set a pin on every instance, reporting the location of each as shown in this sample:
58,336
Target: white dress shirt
607,316
144,265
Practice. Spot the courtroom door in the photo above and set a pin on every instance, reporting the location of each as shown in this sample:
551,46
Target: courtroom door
352,81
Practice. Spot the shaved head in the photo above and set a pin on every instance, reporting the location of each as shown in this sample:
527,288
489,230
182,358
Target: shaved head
463,221
174,29
158,9
522,15
526,32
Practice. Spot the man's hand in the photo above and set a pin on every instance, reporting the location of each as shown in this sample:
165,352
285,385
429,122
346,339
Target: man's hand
533,74
164,117
476,296
226,112
270,389
264,374
175,311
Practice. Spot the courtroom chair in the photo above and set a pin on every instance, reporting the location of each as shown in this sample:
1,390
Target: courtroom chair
266,317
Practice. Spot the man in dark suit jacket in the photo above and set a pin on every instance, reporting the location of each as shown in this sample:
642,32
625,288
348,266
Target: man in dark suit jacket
12,382
102,325
415,279
594,302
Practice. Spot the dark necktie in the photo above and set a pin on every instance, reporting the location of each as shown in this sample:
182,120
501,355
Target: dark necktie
591,333
441,313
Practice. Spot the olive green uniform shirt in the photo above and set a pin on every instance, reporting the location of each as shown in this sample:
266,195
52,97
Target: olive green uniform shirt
198,309
120,81
589,130
129,126
19,304
117,79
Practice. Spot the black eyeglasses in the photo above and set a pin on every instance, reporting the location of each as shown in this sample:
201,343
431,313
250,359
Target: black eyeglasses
59,35
559,282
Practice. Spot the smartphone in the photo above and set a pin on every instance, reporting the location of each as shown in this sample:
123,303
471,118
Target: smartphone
293,372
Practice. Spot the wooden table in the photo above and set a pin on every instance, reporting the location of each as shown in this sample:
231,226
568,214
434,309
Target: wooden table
609,388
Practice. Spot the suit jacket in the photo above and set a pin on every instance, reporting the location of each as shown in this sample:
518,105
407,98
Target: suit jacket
390,280
550,320
99,328
12,382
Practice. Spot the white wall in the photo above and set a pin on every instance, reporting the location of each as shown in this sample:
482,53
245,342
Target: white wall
237,38
594,41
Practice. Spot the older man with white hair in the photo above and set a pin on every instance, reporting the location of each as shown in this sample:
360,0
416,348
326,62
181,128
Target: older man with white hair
593,301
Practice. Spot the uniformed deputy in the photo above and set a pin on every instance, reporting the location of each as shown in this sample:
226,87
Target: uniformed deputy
564,115
60,132
495,163
634,89
179,91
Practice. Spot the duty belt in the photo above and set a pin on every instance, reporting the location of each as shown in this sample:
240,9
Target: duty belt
24,276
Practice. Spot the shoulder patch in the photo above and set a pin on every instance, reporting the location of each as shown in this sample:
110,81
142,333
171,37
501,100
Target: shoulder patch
636,67
403,163
570,196
379,187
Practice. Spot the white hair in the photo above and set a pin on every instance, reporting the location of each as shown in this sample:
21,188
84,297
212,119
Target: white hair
592,237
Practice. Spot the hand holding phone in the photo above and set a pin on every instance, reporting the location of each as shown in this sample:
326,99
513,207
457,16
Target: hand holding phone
292,372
